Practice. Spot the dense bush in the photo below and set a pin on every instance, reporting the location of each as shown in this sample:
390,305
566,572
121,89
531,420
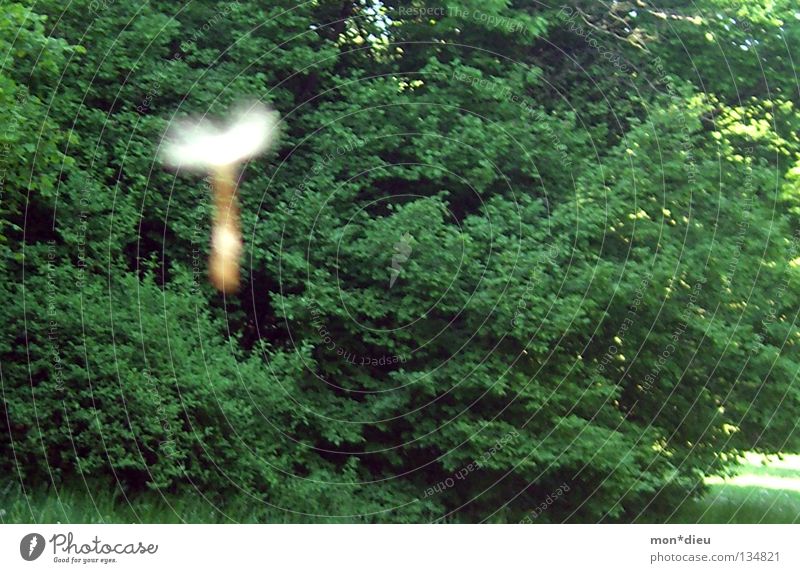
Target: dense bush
492,258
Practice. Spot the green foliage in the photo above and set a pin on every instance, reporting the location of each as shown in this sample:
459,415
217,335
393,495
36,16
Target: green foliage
484,261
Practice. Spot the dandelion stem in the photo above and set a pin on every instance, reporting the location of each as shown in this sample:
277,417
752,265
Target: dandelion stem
226,236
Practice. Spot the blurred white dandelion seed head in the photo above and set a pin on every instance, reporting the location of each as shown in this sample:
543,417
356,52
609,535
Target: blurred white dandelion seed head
205,145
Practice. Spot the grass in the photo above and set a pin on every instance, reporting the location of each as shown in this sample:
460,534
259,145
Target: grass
766,490
75,504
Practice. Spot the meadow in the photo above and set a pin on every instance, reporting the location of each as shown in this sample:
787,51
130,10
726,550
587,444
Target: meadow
765,490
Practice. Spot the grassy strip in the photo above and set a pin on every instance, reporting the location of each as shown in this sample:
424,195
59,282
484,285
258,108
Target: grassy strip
766,490
73,504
